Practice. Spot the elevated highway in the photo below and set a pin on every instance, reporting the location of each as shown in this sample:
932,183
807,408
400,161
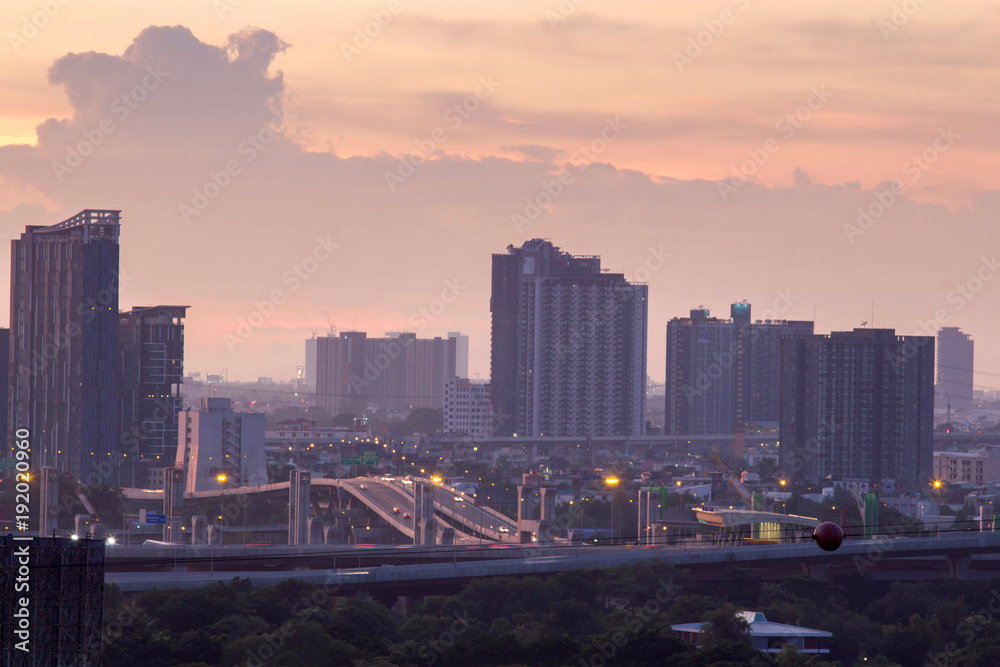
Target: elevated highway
383,497
962,556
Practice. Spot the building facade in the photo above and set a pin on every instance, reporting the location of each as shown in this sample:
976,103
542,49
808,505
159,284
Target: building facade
64,344
219,447
467,408
858,404
397,373
724,372
151,344
978,467
955,356
568,350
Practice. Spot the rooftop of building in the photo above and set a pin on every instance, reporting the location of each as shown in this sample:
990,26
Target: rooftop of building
760,626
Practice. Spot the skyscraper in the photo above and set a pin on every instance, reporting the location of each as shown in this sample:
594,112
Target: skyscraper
955,355
64,343
396,373
568,351
724,372
859,404
151,342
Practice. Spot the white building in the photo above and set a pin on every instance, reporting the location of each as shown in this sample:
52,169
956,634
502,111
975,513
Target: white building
461,353
766,636
218,447
467,408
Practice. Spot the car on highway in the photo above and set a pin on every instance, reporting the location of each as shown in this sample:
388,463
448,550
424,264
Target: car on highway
407,516
396,510
364,487
458,499
503,529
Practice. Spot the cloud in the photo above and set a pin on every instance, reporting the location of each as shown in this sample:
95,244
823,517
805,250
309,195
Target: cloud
209,128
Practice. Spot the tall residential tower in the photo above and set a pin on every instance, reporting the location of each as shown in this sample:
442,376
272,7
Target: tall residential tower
955,354
64,343
568,354
858,404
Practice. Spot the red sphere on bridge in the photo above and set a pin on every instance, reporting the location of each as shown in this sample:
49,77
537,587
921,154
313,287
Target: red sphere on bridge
829,536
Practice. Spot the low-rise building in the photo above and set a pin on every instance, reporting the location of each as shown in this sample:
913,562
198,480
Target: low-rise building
766,636
981,466
467,408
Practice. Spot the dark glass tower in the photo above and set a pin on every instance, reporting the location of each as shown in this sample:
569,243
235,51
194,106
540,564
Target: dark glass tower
64,344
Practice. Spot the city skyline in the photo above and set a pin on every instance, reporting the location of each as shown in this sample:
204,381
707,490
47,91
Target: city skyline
671,183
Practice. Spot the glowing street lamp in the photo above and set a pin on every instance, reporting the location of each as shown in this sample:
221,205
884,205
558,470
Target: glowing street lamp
611,481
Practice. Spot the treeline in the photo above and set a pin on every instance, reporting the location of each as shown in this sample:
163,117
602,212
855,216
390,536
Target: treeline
600,617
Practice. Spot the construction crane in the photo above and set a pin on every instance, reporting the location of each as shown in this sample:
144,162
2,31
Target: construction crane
753,500
83,498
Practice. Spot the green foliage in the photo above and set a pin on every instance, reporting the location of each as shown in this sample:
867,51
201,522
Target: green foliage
618,616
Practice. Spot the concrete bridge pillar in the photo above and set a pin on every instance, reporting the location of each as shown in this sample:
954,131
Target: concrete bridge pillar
424,524
333,535
958,566
199,529
49,514
173,504
447,536
643,524
215,534
299,490
316,526
817,570
82,525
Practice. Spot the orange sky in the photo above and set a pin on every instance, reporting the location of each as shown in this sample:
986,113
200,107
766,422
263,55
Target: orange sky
882,87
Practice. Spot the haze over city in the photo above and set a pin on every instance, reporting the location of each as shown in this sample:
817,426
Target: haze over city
877,100
503,333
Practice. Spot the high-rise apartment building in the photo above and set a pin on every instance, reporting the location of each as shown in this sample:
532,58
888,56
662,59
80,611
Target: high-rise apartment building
467,408
568,350
219,447
151,344
64,343
724,372
858,404
397,373
955,355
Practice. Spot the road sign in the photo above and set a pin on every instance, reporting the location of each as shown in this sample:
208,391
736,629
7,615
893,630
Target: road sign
156,518
366,459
